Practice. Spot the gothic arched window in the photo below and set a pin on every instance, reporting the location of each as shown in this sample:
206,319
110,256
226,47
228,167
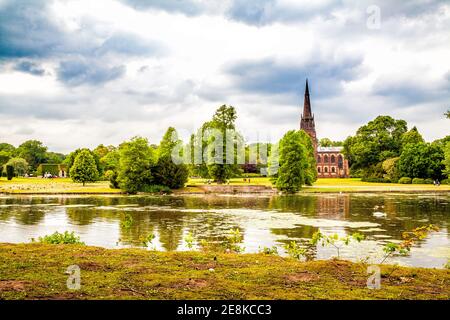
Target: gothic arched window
325,158
333,159
333,170
326,169
319,159
318,169
340,162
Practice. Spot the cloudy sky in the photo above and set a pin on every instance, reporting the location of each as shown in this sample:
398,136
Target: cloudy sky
79,73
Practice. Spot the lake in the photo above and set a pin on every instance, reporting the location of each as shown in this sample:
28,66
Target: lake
264,221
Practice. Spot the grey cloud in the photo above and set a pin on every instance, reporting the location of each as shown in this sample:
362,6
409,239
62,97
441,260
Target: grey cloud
30,67
269,77
187,7
77,72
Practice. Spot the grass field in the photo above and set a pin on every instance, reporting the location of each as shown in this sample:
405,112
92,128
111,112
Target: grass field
332,185
50,186
36,271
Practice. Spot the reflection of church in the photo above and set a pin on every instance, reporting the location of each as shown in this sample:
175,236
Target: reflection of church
331,163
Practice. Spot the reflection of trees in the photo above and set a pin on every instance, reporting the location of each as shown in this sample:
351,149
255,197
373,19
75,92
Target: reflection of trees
29,216
80,216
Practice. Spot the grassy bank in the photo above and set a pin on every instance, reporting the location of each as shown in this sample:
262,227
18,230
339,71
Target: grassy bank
332,185
53,186
36,271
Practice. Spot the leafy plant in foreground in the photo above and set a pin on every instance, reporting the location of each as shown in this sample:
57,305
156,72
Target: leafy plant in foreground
233,239
147,241
269,250
60,238
409,238
334,240
295,250
189,239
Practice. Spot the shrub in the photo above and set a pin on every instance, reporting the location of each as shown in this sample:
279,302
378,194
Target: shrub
445,181
418,181
9,172
61,238
429,181
376,180
405,180
111,175
156,189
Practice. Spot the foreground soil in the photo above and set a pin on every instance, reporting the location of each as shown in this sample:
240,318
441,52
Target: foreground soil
36,271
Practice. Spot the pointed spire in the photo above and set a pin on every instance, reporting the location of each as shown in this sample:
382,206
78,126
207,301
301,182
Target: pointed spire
307,104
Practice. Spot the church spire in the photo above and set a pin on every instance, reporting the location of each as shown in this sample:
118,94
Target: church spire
307,103
307,119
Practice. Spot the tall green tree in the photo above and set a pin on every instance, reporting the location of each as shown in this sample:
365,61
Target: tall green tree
70,159
84,168
421,160
34,152
136,161
167,172
293,162
311,165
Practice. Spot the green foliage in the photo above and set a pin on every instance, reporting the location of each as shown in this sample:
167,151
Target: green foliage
111,176
447,114
155,188
9,172
294,162
233,239
127,221
34,152
147,241
70,159
412,136
326,142
136,160
445,181
409,239
4,157
375,142
446,161
84,168
19,165
418,181
53,157
269,250
189,239
295,250
390,169
61,238
51,168
421,160
405,180
334,240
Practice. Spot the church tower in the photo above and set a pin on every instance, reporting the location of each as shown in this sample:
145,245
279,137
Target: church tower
307,118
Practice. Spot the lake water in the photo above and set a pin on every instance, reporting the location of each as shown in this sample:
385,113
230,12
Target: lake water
264,221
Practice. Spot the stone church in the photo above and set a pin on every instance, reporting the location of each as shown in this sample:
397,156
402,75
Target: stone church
331,163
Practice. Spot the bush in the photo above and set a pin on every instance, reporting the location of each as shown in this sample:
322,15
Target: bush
156,189
61,238
429,181
405,180
418,181
445,181
9,172
111,175
376,180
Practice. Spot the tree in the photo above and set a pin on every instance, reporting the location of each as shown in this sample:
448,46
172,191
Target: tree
412,136
446,161
390,168
311,165
84,168
34,152
136,160
447,114
326,142
9,172
4,157
55,158
293,162
223,122
374,142
421,160
166,172
70,159
19,165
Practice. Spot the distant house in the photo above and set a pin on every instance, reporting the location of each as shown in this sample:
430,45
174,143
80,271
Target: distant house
59,170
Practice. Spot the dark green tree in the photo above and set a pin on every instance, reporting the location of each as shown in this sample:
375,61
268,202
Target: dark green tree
412,136
311,167
84,168
446,161
136,161
19,165
34,152
9,172
167,172
70,159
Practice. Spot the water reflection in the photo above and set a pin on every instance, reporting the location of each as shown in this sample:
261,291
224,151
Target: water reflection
263,220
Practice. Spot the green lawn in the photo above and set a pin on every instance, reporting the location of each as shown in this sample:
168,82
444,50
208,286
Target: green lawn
57,185
67,186
36,271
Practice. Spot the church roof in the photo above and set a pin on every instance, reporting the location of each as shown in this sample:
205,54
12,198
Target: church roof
329,149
